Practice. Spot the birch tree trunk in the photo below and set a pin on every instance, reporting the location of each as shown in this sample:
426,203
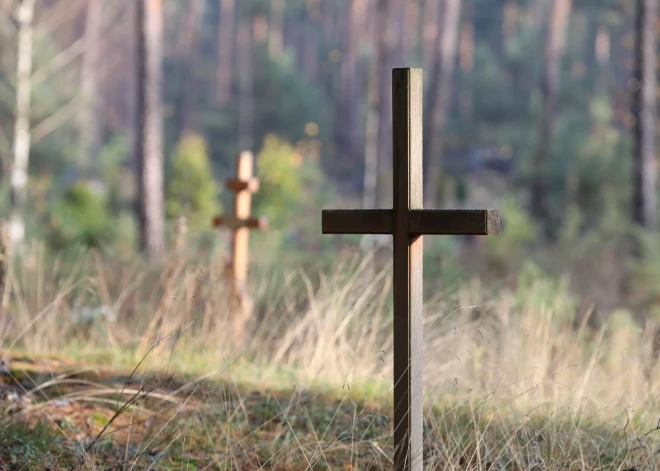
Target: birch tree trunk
644,109
555,45
440,92
225,51
88,127
19,172
149,142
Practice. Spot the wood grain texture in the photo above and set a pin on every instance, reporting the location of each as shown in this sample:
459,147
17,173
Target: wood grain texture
408,222
407,92
370,221
454,222
242,207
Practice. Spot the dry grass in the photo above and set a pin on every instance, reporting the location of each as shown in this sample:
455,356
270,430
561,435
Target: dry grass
510,383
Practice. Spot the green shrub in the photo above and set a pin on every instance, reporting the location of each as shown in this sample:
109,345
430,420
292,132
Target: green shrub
81,217
193,191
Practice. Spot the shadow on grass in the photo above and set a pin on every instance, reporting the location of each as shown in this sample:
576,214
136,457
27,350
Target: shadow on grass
60,415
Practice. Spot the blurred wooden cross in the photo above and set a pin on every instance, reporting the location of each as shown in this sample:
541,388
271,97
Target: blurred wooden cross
408,222
244,185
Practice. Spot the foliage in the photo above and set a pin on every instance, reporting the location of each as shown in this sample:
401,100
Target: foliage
517,236
81,217
288,180
193,191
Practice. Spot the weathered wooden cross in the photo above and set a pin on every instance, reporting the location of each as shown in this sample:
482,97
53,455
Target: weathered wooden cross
244,185
408,222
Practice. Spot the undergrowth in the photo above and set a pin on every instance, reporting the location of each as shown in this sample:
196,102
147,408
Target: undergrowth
132,368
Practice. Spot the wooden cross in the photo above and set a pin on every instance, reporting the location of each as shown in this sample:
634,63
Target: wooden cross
408,222
244,185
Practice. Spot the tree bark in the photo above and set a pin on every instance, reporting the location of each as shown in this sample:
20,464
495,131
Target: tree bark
370,184
347,127
19,172
412,25
430,35
276,28
555,45
149,142
439,94
466,62
88,128
225,51
310,51
188,52
509,21
387,51
644,108
246,85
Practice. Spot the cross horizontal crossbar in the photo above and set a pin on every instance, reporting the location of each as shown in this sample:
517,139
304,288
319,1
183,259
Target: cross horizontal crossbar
422,221
251,185
235,223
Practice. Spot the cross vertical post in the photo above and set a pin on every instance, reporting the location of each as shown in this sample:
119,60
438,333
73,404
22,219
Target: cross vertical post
244,185
408,222
407,287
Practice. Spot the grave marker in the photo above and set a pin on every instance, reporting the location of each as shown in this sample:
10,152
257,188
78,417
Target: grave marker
243,185
408,222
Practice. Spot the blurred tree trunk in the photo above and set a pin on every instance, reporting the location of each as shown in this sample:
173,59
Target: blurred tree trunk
149,142
389,45
225,51
276,28
555,45
430,33
602,53
440,99
370,184
509,20
347,128
412,25
188,52
311,42
644,109
19,172
244,37
466,62
89,126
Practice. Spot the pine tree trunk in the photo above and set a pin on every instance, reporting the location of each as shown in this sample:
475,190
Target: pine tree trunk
430,34
509,21
149,142
225,51
387,51
644,108
19,172
370,185
246,85
466,63
189,55
89,129
347,127
412,25
311,42
276,28
440,94
555,45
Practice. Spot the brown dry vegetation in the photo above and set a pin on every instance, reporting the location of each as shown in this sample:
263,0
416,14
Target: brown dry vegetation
511,383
